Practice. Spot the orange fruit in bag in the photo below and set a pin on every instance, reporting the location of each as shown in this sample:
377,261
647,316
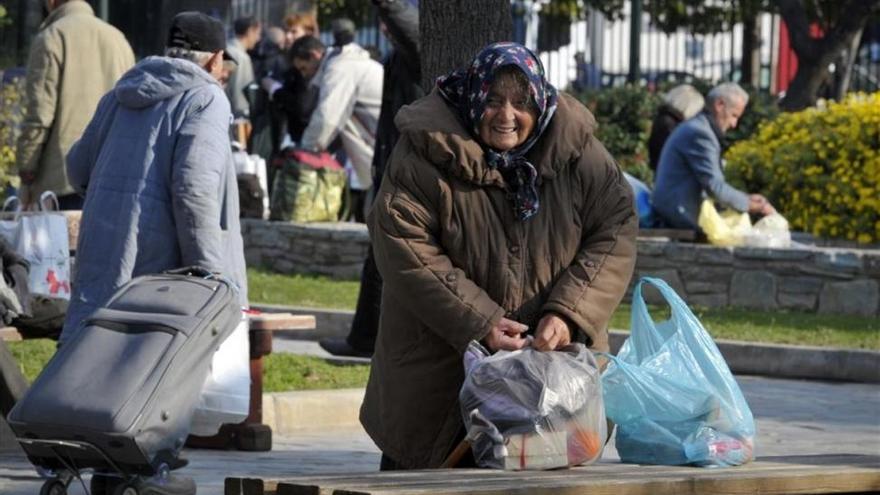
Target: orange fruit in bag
583,445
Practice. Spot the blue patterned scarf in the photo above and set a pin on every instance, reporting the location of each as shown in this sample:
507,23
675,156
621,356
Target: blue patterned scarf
467,91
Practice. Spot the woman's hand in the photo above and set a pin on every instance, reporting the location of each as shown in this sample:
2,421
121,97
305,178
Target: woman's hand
552,333
507,335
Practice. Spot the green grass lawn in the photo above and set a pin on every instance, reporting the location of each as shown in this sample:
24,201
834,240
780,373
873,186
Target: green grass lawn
781,327
300,290
281,372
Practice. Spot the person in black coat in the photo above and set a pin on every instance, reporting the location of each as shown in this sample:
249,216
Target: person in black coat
401,86
679,104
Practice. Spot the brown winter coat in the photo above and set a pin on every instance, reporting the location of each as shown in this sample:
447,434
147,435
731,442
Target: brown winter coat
455,259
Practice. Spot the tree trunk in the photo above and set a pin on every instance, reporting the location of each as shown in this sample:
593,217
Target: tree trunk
803,91
750,66
453,31
845,71
814,55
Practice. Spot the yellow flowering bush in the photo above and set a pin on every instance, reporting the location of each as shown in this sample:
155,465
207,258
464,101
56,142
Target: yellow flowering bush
820,167
11,113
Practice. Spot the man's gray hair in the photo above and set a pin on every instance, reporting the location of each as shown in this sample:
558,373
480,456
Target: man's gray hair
727,92
197,57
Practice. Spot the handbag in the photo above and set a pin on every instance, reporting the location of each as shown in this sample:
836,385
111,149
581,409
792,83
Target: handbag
671,393
308,187
226,395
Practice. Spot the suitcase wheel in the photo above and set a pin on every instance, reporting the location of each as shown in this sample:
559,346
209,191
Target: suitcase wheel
125,489
54,486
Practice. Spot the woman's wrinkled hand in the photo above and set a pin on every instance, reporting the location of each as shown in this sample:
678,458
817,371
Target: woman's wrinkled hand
553,333
507,335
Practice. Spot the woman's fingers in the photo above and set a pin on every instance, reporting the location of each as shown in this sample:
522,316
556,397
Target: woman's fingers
547,340
511,327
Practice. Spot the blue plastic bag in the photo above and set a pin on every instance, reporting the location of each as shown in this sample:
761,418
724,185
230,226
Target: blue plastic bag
642,194
672,395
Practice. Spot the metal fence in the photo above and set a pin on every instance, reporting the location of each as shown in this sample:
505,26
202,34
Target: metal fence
590,52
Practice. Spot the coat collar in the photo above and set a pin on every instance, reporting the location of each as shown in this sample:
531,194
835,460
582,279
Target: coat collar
73,7
438,135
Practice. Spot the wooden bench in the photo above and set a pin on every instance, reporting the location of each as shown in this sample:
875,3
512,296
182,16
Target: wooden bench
766,476
251,434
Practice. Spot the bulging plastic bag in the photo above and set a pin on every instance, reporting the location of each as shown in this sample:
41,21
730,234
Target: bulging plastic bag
226,394
533,410
728,228
771,231
672,395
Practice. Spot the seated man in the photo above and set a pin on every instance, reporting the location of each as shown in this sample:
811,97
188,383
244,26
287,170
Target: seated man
690,164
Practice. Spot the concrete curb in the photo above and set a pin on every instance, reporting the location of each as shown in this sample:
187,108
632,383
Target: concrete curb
290,412
786,361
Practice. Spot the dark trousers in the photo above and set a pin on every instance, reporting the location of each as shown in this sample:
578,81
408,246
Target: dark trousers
365,325
70,202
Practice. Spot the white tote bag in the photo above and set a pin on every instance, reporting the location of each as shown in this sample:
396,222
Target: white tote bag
227,391
41,238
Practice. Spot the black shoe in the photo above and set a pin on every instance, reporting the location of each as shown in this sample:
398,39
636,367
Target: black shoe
169,485
339,347
103,484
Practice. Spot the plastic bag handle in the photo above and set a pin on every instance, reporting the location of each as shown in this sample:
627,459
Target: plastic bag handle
48,195
642,326
12,200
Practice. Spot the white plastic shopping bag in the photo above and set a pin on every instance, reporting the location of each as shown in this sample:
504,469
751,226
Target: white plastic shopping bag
41,238
226,394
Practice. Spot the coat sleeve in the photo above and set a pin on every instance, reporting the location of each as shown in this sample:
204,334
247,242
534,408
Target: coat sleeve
402,20
704,157
592,286
335,106
201,158
84,153
416,271
41,97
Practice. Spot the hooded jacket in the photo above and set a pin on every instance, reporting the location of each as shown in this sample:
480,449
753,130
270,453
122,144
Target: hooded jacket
155,165
73,61
455,259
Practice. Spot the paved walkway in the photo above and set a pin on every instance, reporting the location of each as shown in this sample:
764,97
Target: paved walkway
794,417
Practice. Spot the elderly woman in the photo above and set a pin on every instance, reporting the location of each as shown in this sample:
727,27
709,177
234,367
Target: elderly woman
500,215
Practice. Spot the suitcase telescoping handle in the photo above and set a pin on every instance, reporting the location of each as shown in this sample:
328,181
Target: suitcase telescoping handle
202,272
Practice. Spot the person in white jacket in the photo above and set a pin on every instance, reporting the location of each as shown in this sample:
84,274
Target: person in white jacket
350,96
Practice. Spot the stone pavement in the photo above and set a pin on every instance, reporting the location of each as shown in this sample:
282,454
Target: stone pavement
794,417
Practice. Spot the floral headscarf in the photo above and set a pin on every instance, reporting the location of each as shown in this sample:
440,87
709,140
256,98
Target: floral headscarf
468,89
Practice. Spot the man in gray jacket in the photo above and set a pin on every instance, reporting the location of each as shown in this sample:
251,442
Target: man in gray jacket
155,166
690,163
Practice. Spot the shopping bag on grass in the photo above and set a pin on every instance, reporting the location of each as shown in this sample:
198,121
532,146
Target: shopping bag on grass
671,393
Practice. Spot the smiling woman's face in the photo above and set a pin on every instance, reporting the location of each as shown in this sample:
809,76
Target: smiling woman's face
509,116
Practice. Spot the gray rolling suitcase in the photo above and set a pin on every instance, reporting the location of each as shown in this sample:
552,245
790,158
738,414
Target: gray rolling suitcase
118,397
